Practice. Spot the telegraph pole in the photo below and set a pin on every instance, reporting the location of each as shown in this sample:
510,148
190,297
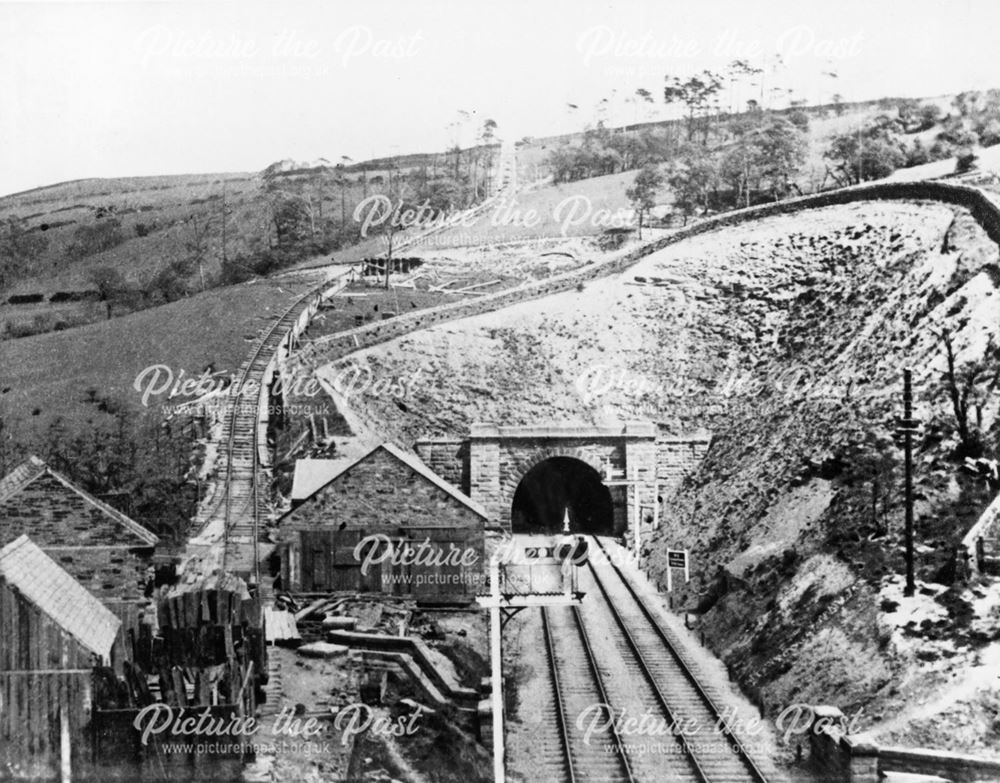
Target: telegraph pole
908,425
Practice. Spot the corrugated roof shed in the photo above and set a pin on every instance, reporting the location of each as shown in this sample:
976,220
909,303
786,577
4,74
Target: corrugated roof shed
34,468
57,594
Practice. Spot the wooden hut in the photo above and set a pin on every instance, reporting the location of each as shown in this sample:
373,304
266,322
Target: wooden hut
53,633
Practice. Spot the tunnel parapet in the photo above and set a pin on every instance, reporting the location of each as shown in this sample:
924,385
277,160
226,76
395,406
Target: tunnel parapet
638,461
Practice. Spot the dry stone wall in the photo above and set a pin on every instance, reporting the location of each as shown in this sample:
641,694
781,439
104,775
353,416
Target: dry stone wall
985,211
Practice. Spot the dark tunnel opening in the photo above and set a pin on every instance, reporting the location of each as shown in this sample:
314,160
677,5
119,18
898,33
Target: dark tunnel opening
556,485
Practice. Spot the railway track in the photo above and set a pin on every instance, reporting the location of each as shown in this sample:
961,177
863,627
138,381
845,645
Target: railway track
667,686
577,687
229,525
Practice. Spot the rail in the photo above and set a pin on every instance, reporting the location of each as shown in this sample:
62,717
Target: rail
560,703
593,672
272,339
681,661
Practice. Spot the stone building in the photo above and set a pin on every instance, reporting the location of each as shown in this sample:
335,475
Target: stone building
424,537
100,547
103,549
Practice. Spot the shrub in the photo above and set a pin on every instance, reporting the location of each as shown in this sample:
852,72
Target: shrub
19,299
95,238
918,154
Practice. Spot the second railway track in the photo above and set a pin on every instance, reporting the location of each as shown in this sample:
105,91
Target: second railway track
713,753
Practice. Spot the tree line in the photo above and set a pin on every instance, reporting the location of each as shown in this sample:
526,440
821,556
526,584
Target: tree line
713,159
294,215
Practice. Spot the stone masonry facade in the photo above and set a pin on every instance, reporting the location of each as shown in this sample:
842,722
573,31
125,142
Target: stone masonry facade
107,557
379,491
493,460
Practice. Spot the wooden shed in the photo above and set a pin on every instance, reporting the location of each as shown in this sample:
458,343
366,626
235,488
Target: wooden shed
53,633
385,523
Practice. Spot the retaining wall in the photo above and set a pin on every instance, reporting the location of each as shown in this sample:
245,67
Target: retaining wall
847,758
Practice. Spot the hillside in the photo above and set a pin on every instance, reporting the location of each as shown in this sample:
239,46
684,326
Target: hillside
50,375
824,123
163,238
785,338
159,239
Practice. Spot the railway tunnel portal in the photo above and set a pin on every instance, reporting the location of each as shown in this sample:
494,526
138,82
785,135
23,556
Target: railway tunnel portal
558,489
609,479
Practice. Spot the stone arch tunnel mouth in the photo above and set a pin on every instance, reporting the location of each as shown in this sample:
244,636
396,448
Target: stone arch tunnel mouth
557,485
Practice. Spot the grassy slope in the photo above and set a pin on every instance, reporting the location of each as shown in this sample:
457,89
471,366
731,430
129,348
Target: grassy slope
51,373
166,205
823,125
596,200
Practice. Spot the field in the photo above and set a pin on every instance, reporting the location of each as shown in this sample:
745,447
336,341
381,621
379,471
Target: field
163,217
50,375
575,209
163,207
824,124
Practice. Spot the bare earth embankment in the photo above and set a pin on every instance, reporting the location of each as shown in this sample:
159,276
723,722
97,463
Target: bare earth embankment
786,339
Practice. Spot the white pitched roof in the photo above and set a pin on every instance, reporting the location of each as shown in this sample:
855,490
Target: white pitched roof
313,474
43,582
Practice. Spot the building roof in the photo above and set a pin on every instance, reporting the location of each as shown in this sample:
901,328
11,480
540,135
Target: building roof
34,468
57,594
312,475
412,461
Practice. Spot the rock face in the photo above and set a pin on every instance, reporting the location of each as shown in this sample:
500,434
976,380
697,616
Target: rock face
732,309
786,339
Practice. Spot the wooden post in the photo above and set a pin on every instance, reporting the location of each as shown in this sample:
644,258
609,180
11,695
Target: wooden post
65,746
637,513
496,673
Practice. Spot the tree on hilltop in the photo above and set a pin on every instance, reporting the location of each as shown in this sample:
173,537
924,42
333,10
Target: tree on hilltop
697,93
644,190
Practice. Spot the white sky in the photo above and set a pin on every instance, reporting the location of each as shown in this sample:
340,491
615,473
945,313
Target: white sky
133,88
